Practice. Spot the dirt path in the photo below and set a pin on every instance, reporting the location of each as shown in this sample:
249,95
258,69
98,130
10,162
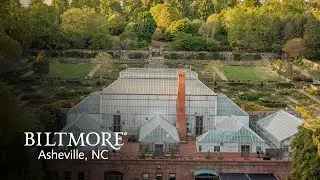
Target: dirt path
219,73
93,71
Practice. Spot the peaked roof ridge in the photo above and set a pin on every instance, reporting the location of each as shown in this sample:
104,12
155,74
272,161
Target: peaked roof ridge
226,124
289,114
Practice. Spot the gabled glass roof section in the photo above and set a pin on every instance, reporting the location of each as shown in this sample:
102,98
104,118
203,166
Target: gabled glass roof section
158,129
156,81
225,107
280,125
230,130
89,105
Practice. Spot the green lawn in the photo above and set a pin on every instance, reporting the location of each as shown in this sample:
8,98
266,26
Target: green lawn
66,70
250,73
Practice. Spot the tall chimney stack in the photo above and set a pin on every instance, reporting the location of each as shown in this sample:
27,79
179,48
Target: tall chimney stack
181,106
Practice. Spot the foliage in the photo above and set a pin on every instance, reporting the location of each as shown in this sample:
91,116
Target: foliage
306,161
17,159
60,5
110,7
294,47
205,8
51,118
9,48
219,5
19,26
188,42
41,65
82,24
164,15
183,25
312,37
131,7
117,21
145,26
106,61
261,32
311,123
101,41
181,5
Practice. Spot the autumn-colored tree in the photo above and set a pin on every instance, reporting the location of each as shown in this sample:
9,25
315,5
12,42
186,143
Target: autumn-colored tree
164,15
294,47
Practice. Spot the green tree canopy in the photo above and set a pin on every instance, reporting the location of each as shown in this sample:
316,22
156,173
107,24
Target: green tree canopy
312,36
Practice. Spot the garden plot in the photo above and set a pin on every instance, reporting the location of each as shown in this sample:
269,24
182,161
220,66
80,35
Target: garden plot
66,70
250,73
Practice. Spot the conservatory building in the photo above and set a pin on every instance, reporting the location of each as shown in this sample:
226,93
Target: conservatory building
280,128
231,135
159,108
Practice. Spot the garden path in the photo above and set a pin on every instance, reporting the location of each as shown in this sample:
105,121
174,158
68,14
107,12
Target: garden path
93,71
220,74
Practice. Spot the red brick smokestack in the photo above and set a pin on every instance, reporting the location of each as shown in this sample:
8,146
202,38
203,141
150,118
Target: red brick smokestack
181,106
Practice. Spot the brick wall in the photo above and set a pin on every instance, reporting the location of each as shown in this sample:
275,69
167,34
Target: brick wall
133,169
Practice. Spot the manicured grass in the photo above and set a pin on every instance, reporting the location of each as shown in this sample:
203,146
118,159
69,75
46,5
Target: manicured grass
250,73
66,70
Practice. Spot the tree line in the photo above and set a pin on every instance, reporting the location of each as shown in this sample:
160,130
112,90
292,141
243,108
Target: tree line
211,25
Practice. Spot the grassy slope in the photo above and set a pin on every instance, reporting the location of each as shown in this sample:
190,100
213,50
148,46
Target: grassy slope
64,70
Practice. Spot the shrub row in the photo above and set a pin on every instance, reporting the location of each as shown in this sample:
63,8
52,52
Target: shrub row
197,56
249,57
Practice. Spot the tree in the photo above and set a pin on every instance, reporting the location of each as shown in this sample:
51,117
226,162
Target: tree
9,48
110,7
183,25
94,4
306,146
219,5
117,21
145,26
50,118
164,15
294,47
18,162
205,9
82,24
188,42
19,26
251,3
312,37
60,5
131,7
41,65
253,29
306,161
106,61
181,5
47,32
101,41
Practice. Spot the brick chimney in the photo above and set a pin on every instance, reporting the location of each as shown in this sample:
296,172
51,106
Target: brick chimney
181,106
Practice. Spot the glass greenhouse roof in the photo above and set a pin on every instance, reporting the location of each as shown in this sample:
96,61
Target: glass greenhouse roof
158,129
156,73
226,107
230,130
89,105
280,125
